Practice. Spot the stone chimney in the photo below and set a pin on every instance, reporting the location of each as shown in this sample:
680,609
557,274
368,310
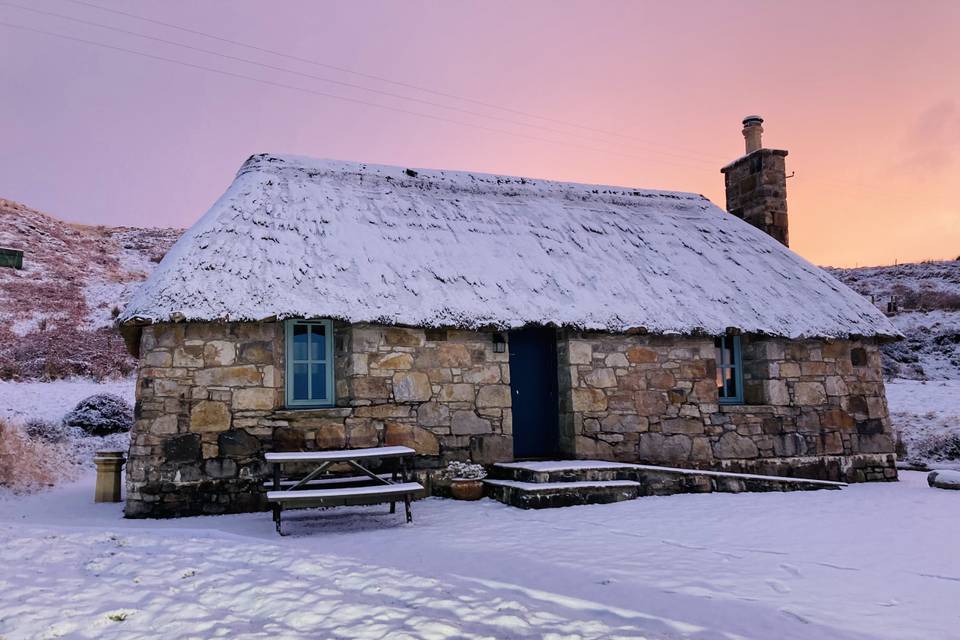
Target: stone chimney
757,183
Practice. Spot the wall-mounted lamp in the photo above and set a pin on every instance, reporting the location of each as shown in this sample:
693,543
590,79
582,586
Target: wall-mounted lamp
499,343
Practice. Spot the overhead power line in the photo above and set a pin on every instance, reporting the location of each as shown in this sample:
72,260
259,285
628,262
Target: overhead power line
378,78
320,93
320,78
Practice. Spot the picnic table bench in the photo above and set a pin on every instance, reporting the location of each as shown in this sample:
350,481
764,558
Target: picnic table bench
317,489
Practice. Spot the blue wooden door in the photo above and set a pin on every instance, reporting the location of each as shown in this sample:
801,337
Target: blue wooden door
533,383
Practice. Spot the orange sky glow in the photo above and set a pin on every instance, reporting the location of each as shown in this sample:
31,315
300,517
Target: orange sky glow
864,95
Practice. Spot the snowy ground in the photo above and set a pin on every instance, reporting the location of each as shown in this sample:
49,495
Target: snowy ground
870,561
927,416
60,453
21,401
931,350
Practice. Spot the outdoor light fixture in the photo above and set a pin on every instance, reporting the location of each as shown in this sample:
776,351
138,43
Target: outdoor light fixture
499,343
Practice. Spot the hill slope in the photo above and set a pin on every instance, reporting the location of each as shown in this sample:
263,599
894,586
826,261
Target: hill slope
55,314
927,298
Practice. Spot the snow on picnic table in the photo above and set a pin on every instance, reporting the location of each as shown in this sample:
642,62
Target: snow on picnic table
870,561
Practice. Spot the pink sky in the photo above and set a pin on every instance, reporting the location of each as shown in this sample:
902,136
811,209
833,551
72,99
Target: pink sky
864,95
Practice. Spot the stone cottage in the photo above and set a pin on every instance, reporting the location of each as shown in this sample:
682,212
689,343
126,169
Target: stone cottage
326,305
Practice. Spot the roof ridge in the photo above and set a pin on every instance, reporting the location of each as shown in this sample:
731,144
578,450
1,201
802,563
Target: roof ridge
412,176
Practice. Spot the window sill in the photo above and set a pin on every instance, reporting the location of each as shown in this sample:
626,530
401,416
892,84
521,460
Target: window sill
307,412
748,408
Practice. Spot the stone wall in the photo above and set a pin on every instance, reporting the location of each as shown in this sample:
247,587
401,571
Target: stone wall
813,408
210,402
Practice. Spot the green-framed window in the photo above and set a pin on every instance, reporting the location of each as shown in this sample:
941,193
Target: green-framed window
729,370
309,363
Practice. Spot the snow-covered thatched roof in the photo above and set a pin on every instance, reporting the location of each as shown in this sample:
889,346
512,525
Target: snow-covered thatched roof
299,237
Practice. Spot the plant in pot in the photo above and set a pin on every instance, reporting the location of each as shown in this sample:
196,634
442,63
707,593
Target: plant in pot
466,480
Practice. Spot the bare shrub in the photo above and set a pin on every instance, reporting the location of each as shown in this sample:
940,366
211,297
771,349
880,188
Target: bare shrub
941,447
27,464
38,429
928,299
101,414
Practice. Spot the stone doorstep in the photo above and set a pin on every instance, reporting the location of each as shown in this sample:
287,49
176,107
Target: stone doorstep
532,495
602,470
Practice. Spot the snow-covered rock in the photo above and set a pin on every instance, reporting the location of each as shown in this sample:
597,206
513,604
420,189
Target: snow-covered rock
944,479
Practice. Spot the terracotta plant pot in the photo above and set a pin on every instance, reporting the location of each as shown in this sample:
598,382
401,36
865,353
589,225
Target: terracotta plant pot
466,489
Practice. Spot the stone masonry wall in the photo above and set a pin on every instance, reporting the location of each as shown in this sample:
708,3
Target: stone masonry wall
210,402
813,408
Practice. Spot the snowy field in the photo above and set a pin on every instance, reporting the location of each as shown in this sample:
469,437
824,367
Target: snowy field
927,415
870,561
22,401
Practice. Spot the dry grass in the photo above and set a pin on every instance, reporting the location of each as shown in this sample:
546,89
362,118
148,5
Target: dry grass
28,464
63,350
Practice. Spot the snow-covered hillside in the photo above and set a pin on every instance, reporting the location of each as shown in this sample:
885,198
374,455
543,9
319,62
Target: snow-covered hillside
923,300
923,385
55,314
926,415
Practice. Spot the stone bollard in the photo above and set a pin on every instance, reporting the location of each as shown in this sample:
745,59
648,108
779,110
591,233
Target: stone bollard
109,465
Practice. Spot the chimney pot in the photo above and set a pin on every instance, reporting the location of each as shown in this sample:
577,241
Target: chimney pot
756,184
752,132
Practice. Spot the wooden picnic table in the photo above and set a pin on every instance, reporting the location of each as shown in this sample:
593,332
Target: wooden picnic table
317,489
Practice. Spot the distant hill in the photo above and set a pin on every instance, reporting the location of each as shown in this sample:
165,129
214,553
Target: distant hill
56,313
923,301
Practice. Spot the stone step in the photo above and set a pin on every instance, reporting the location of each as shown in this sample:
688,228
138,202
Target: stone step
546,495
653,479
563,471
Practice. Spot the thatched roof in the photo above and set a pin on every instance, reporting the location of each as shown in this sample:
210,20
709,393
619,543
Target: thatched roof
296,237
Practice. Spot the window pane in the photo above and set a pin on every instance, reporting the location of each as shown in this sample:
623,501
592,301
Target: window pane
718,343
300,333
729,343
731,383
720,381
300,385
318,342
318,382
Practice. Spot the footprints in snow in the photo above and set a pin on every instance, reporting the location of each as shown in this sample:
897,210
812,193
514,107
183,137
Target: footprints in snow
778,585
838,567
791,569
937,576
